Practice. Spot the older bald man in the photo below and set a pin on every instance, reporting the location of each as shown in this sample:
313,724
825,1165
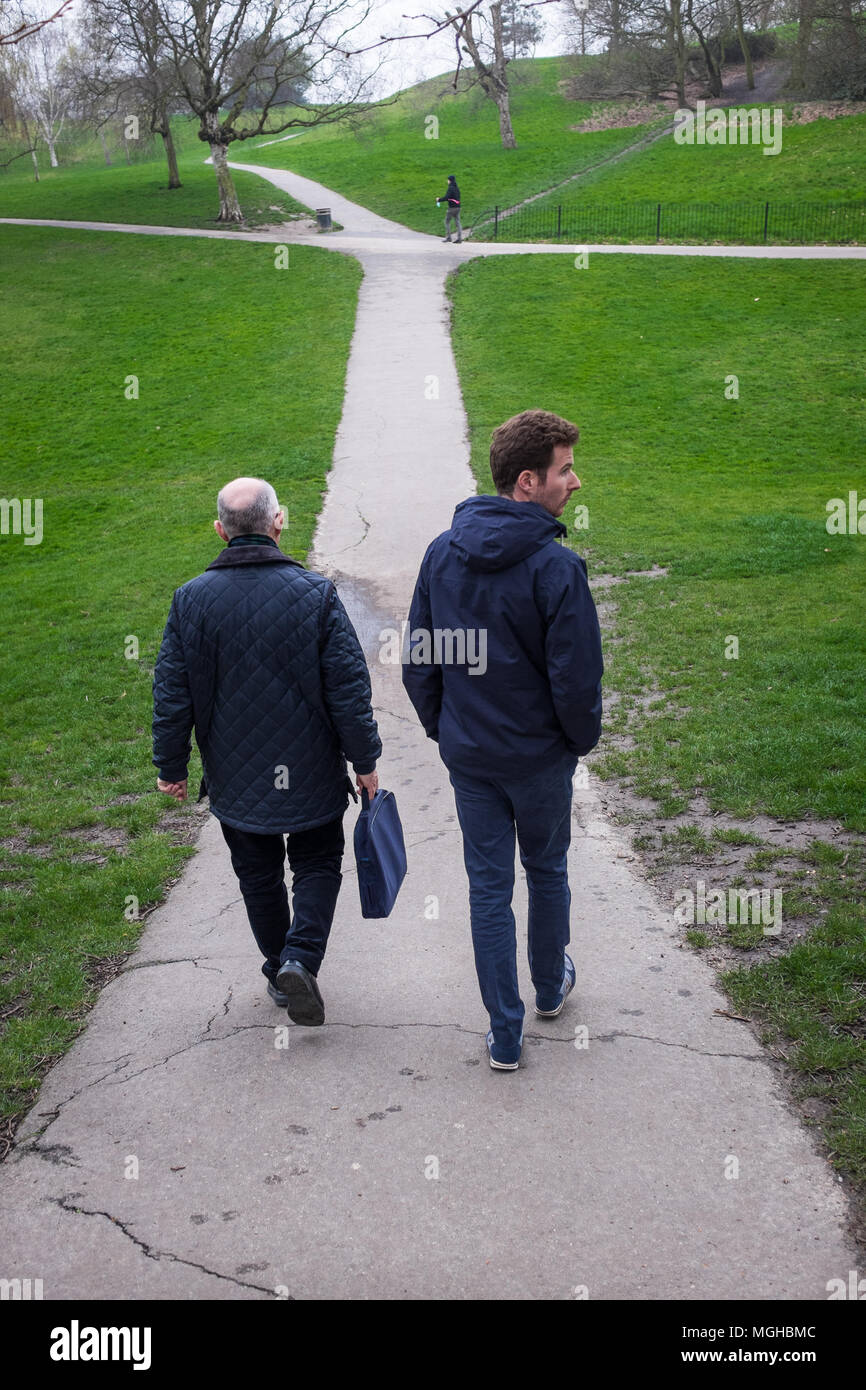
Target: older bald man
259,657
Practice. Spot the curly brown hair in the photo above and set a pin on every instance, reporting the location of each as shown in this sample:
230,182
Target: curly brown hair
527,440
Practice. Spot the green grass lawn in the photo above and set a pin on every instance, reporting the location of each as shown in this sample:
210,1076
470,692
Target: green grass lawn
389,165
729,496
221,342
139,193
822,162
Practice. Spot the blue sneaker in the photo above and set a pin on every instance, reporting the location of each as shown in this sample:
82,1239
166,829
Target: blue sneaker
503,1062
568,980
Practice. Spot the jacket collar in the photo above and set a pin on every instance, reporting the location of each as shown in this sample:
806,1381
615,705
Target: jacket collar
264,554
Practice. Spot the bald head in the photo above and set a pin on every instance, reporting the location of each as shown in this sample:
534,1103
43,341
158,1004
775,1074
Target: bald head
248,506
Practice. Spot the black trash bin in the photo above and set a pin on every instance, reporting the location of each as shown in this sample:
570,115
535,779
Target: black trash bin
323,216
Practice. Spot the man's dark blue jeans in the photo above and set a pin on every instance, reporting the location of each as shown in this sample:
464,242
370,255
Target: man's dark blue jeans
489,811
315,859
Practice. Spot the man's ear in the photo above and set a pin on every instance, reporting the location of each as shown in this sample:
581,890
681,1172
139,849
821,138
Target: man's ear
218,527
526,479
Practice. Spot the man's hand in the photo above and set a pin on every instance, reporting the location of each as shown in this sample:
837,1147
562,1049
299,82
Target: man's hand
369,783
175,789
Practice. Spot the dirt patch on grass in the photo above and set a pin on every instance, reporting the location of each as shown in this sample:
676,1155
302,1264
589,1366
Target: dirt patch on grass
109,837
98,970
806,112
13,1007
185,826
621,115
706,852
606,581
20,844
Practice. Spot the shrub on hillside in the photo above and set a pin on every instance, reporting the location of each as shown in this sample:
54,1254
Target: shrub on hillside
635,71
760,45
836,67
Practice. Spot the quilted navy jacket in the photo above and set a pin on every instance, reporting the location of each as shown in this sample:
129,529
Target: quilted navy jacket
260,657
500,577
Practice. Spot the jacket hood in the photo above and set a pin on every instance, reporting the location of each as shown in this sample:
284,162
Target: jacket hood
494,533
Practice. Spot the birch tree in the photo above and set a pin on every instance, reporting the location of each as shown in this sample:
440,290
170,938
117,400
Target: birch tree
42,83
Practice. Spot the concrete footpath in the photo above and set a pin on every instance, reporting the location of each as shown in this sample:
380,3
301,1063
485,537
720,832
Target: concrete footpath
181,1151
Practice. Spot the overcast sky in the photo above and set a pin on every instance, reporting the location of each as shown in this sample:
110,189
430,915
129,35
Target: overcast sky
412,60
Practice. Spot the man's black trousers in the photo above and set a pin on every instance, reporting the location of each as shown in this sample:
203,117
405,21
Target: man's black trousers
315,859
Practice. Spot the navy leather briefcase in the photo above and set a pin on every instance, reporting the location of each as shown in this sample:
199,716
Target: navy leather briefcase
380,853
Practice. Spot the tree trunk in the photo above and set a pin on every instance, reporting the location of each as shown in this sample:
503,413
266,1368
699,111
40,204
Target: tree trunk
506,131
52,153
849,28
32,143
616,27
741,35
714,72
500,82
230,208
678,43
493,80
171,156
102,141
797,80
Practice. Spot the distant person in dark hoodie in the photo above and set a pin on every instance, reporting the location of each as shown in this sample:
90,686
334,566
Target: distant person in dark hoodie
451,196
512,726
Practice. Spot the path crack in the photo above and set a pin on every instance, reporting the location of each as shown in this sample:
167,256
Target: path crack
148,1250
642,1037
179,960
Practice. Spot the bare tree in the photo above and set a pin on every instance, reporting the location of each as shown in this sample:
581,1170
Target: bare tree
806,22
702,16
744,45
489,60
43,90
829,58
646,49
12,112
131,63
26,28
219,51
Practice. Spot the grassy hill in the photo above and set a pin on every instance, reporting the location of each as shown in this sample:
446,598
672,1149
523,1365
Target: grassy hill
386,162
823,161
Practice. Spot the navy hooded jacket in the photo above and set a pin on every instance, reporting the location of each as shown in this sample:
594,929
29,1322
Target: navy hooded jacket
508,676
260,656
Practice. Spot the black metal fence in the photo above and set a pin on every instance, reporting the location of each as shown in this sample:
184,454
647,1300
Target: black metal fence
747,223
